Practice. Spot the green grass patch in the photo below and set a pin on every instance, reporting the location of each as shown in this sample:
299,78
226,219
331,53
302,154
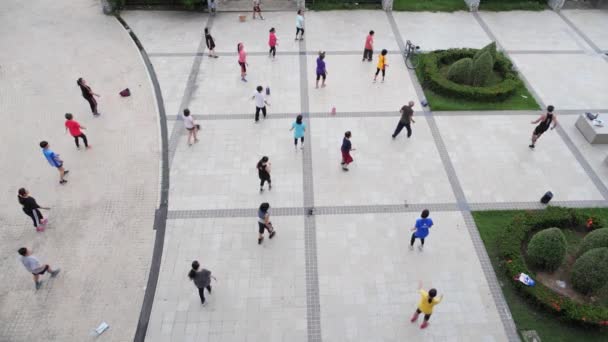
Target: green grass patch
429,5
328,5
512,5
525,315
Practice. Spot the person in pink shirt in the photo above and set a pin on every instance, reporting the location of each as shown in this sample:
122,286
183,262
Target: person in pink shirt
242,60
74,127
272,42
369,47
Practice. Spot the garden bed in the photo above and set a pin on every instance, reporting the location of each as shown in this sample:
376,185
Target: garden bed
527,312
505,91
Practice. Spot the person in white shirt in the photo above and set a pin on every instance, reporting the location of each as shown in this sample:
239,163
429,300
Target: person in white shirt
260,103
32,264
300,25
191,127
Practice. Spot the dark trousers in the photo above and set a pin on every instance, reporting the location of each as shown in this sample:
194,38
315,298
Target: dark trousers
35,215
93,103
400,127
414,237
84,139
367,54
272,51
298,30
201,292
295,141
257,112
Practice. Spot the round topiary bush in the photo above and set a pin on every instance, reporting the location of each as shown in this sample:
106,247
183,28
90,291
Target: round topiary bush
491,48
590,271
460,71
482,69
596,239
547,249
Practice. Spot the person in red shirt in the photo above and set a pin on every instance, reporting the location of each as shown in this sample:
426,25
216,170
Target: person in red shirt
272,42
369,47
74,127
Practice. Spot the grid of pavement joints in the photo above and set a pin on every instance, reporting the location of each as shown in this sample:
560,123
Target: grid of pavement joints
480,250
174,138
312,294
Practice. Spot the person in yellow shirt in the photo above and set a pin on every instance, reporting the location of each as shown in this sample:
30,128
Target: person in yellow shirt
427,301
381,65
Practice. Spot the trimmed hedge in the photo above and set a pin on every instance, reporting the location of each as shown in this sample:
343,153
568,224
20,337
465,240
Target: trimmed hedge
590,271
509,248
460,71
437,82
482,69
547,249
491,48
596,239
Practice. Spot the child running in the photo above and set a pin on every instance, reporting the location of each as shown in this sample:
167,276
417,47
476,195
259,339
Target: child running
300,25
191,126
345,149
263,167
427,301
30,208
321,69
201,279
369,47
257,9
74,127
210,42
264,222
381,65
240,48
299,128
54,160
272,42
421,230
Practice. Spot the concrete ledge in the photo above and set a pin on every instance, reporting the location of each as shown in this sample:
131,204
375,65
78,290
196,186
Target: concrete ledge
593,134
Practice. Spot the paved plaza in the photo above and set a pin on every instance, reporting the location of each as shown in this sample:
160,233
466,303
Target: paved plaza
339,268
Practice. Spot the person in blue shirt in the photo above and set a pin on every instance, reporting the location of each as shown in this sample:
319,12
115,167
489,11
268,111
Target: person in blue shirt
421,230
299,128
53,159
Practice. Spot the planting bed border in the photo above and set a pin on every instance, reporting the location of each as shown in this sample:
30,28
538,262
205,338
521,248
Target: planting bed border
513,262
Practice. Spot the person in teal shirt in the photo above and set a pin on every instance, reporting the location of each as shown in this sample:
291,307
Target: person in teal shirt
299,128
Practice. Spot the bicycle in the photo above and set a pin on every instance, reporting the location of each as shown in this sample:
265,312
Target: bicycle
411,55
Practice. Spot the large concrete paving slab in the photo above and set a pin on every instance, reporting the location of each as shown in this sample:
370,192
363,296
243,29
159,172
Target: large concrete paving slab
593,24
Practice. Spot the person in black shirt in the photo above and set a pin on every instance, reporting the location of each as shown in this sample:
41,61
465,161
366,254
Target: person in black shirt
210,43
30,208
88,95
545,122
406,120
264,173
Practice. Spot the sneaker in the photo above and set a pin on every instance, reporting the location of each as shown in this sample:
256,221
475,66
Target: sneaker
531,146
209,289
269,187
272,234
382,81
424,325
374,81
55,272
261,190
204,303
78,147
344,168
260,240
420,248
216,56
243,79
393,136
88,147
66,172
414,318
45,221
411,247
63,181
38,285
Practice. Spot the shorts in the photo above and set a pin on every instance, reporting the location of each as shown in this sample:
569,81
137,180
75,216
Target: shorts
321,75
59,165
261,227
257,8
190,129
46,268
539,130
243,67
